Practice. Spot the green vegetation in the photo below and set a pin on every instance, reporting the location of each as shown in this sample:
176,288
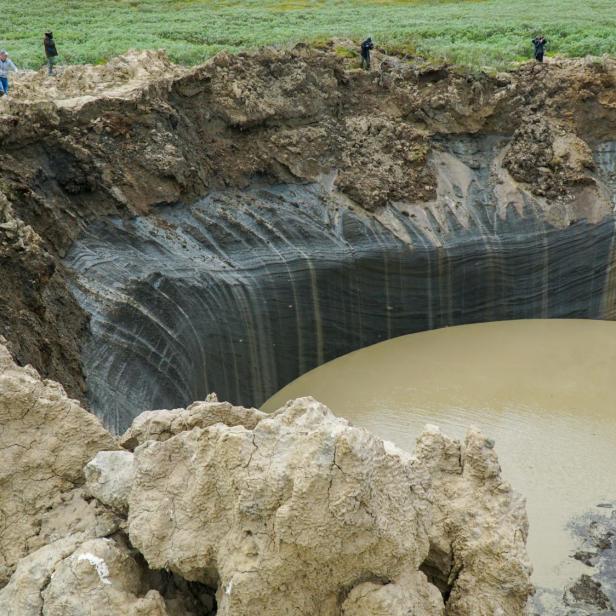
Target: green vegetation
491,33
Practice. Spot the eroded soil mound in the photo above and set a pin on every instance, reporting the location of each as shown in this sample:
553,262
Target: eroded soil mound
226,510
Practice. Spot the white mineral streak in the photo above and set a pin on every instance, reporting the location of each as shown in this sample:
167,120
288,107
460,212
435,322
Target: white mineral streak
99,564
68,579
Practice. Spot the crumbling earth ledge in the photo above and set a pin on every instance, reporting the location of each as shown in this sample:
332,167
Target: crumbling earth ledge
219,509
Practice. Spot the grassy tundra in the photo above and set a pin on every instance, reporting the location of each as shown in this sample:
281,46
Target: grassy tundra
486,33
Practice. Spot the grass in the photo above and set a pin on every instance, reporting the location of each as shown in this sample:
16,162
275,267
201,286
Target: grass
486,33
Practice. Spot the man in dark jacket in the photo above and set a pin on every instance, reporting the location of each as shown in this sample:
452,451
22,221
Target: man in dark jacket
51,53
366,46
539,42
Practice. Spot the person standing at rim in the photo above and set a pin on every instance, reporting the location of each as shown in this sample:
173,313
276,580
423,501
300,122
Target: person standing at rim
51,53
366,46
6,66
539,42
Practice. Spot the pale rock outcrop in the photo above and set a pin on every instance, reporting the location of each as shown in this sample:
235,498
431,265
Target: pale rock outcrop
162,425
109,477
305,514
287,517
45,440
410,595
479,529
76,514
70,578
296,512
100,577
22,595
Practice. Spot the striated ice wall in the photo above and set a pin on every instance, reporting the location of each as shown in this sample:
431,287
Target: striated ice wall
245,290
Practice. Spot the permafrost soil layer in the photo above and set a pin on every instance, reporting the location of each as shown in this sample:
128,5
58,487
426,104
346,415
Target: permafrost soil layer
244,291
329,208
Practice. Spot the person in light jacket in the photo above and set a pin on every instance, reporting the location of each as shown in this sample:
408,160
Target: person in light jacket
6,66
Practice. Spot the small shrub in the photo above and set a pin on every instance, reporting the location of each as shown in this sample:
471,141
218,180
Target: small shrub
345,52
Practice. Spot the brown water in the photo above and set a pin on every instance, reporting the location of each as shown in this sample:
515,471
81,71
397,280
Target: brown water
544,389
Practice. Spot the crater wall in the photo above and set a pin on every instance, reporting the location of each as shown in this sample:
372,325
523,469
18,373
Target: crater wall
449,170
245,290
